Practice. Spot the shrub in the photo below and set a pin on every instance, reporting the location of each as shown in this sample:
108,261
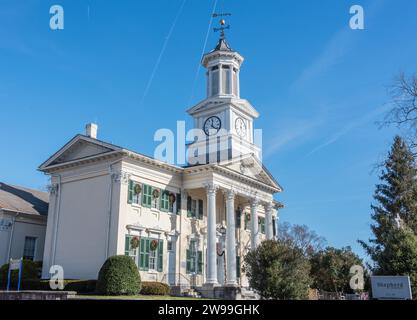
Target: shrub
119,276
155,288
80,286
29,271
278,270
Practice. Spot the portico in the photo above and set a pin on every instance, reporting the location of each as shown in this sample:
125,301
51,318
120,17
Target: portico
231,198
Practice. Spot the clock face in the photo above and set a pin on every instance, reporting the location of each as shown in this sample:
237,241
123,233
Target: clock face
212,125
240,126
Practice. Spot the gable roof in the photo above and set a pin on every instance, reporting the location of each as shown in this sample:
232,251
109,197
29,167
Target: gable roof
23,200
250,166
66,153
245,167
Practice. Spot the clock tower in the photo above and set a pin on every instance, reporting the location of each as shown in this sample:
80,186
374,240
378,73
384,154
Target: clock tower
224,119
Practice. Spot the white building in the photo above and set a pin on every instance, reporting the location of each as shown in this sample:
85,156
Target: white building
186,225
23,214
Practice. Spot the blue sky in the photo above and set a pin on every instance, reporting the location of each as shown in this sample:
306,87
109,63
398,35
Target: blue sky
319,87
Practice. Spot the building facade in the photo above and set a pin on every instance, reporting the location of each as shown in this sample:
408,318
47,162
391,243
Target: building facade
23,215
184,225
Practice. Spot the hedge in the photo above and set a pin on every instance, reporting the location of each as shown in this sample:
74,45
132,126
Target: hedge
80,286
154,288
30,270
119,276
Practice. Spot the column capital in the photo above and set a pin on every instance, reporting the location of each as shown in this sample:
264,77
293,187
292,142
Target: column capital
254,202
120,176
269,206
230,194
211,187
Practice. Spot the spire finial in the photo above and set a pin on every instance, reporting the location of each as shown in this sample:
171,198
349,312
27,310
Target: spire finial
222,22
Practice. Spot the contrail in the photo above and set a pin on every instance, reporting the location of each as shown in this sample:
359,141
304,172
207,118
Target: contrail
155,68
203,51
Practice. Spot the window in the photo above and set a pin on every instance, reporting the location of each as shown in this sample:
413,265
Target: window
29,248
148,257
178,203
134,192
226,85
169,246
261,223
200,209
195,208
238,218
194,258
129,251
165,201
147,196
238,266
274,226
247,221
152,260
214,82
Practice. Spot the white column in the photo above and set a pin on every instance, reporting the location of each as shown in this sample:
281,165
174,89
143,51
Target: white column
211,235
254,223
276,223
268,221
230,239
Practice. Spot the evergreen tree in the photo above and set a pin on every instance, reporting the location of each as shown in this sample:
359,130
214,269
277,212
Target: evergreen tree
394,246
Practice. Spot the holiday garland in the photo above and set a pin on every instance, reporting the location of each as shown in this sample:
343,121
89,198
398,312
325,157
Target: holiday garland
154,245
134,242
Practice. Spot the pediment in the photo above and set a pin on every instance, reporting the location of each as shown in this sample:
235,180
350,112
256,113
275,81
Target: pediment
80,147
251,167
214,103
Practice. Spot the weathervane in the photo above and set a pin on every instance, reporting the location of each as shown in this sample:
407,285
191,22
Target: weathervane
223,25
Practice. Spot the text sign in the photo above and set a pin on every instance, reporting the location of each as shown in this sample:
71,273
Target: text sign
391,287
14,264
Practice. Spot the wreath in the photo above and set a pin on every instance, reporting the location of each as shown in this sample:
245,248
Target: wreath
154,245
137,189
172,198
134,242
155,193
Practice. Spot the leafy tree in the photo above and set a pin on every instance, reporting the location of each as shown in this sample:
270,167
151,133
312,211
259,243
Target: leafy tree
278,270
302,237
330,269
394,247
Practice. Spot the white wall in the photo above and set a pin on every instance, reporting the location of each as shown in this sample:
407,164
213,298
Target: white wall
24,226
82,224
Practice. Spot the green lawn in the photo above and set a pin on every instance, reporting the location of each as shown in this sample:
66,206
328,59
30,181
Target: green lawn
138,297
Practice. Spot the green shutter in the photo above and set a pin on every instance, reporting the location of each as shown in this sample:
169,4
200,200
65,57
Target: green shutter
189,213
160,255
142,254
127,245
200,262
146,250
200,209
274,231
188,257
178,200
130,192
238,266
163,201
147,195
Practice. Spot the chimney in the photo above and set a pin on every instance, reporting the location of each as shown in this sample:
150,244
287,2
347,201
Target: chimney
91,130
